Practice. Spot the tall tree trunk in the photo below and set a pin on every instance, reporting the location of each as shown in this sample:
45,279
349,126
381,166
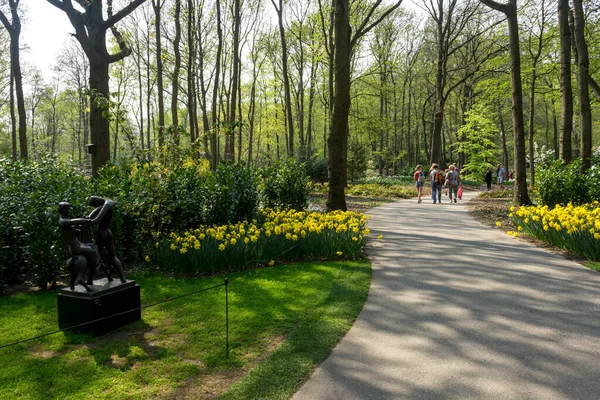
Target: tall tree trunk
100,136
336,199
138,62
311,102
521,195
503,133
14,30
213,136
230,147
583,85
286,81
175,80
191,70
566,91
157,5
13,117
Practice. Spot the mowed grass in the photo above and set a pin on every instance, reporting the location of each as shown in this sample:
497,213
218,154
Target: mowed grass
593,265
283,320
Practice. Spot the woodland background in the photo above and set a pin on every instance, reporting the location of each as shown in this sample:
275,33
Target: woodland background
255,81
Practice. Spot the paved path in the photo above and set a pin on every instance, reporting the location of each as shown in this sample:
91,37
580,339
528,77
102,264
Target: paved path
457,310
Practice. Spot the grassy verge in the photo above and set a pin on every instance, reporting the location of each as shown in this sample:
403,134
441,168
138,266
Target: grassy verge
593,265
283,322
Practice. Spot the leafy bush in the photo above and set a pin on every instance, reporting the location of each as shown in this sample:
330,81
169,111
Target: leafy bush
358,158
285,185
560,183
232,195
30,244
315,166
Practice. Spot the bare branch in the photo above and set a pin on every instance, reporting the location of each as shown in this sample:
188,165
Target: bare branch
123,13
361,31
496,6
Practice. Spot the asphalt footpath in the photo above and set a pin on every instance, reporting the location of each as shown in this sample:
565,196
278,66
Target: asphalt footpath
458,310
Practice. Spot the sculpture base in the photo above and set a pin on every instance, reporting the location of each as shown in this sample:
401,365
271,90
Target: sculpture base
111,305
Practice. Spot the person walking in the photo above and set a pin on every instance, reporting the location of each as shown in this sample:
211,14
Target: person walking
420,181
437,181
452,182
500,174
488,179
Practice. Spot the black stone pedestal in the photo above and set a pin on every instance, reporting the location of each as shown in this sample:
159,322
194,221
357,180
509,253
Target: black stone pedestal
111,305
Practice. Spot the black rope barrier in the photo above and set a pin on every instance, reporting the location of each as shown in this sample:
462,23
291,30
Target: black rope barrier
136,309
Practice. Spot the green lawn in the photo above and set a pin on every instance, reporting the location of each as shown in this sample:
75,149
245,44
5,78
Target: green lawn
284,321
593,265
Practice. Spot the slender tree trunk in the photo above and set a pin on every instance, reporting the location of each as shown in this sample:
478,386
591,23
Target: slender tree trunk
175,80
583,85
555,130
157,5
14,31
566,91
503,133
230,147
191,71
311,103
213,142
531,126
13,117
286,81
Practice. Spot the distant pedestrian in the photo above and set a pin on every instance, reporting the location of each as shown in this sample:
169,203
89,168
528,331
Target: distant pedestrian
500,174
420,180
488,179
452,182
437,181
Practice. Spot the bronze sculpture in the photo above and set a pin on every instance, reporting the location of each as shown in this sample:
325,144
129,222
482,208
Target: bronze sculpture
102,216
85,257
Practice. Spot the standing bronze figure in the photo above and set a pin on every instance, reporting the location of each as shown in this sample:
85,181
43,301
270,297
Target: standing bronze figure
102,216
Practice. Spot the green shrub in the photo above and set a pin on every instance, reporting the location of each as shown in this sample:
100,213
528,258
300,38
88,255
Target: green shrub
232,195
358,159
560,183
30,245
285,185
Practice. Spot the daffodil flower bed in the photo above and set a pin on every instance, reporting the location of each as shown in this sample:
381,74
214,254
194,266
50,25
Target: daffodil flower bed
273,236
574,228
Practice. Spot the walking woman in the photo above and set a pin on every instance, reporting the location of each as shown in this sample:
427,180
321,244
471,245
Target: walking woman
420,180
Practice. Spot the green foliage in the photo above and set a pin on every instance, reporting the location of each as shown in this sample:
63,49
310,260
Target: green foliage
285,185
477,143
358,158
30,245
231,194
560,183
316,167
